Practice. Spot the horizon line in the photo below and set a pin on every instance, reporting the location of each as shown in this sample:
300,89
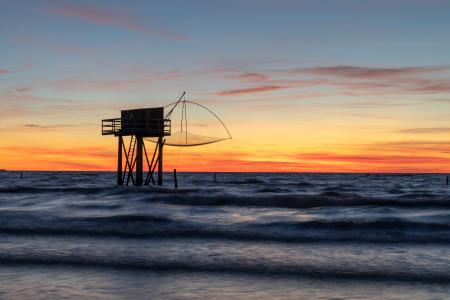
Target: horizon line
234,172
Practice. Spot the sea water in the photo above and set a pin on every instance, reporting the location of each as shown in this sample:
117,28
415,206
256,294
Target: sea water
75,235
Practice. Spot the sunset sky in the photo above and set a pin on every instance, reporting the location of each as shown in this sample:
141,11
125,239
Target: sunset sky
304,86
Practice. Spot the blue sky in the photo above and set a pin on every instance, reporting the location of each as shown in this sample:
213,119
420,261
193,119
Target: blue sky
346,69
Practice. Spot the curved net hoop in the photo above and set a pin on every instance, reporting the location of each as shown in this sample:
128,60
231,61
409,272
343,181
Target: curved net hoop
193,125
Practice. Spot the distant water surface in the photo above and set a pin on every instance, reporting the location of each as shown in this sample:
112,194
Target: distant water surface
75,235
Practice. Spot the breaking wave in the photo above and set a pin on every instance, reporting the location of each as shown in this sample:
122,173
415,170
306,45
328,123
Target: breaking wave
158,226
261,197
228,266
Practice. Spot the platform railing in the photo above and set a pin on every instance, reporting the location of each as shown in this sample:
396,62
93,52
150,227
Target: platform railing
145,127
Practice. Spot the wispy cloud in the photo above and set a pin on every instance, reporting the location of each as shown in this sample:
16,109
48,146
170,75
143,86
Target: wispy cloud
140,79
356,80
250,76
350,80
358,72
111,17
24,89
80,152
56,126
370,158
21,98
251,90
57,46
396,86
3,71
384,156
412,147
428,130
374,104
18,105
45,128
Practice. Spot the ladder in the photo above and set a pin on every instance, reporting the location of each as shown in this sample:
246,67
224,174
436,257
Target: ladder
130,161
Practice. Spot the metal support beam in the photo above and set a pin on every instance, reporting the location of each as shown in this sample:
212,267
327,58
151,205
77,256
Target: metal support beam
160,161
139,161
119,161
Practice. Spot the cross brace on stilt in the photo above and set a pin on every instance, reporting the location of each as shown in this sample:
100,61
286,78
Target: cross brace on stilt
134,162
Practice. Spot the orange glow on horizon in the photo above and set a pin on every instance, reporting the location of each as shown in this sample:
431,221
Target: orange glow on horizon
222,158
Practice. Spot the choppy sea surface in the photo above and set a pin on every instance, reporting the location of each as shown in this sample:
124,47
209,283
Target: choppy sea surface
75,235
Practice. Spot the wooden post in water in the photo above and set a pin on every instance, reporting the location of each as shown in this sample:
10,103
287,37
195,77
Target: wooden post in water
119,162
447,180
175,178
139,161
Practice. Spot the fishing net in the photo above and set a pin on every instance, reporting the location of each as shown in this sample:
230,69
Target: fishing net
188,139
193,125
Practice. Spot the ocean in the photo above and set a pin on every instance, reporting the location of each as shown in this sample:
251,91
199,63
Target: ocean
75,235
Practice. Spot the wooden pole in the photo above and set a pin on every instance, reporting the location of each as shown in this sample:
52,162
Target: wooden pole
175,178
447,180
119,162
139,161
160,161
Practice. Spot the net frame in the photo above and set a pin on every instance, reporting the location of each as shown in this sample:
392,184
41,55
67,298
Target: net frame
183,101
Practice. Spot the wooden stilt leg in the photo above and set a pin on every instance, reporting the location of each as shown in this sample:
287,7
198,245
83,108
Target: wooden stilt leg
160,161
139,161
119,162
